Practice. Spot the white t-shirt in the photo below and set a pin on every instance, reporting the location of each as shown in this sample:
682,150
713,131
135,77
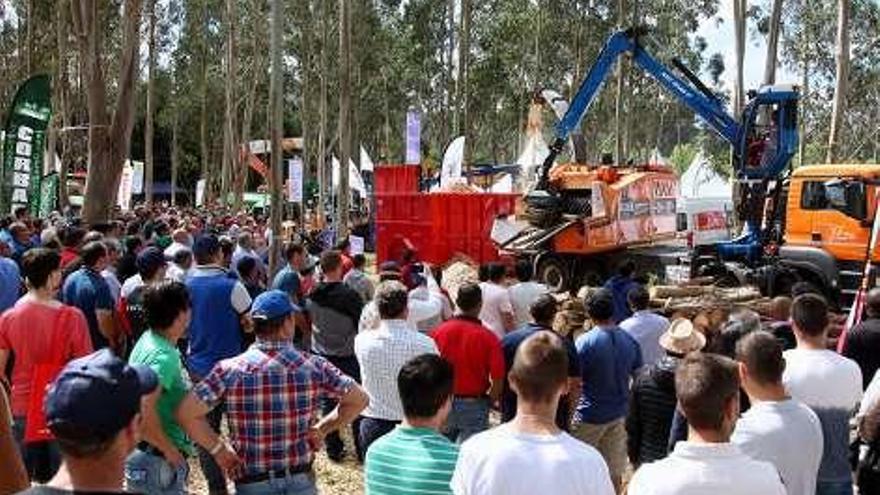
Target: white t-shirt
522,295
830,385
786,434
503,461
647,327
706,469
496,300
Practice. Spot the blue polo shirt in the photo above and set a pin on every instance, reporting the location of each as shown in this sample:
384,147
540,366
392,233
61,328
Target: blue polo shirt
608,357
10,283
88,291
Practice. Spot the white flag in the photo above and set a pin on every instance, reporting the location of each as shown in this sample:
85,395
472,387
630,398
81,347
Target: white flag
452,159
366,162
355,181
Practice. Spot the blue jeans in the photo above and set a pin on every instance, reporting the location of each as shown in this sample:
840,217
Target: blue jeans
148,473
292,484
333,442
372,429
467,418
41,459
834,488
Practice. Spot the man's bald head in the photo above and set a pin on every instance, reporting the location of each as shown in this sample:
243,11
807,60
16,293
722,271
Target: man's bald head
873,303
780,308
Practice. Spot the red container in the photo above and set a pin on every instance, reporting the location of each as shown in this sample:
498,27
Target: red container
396,179
440,225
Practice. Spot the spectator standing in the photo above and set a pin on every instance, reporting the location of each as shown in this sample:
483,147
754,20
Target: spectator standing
180,267
475,354
426,301
707,387
644,325
862,343
358,280
830,384
344,248
151,271
245,248
335,310
10,279
272,392
608,358
93,409
776,428
531,454
497,312
524,293
20,239
127,265
619,285
425,385
159,464
652,395
543,311
779,324
13,477
288,279
87,290
249,276
71,237
219,306
30,334
109,272
381,354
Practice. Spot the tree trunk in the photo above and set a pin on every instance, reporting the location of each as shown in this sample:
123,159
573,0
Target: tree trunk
203,116
151,105
175,149
620,155
773,43
229,141
62,84
322,119
449,117
109,137
342,193
275,91
739,27
838,106
464,50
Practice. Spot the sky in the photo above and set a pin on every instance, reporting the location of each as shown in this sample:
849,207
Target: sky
720,39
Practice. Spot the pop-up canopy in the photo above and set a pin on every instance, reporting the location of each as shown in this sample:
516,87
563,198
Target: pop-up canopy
701,181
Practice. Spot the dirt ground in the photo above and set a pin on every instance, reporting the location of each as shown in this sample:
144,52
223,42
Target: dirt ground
345,478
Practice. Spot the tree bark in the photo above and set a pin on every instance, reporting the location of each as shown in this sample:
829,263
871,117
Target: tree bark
620,155
464,50
203,115
151,105
62,83
449,117
773,43
175,149
275,91
109,136
342,193
229,141
838,106
739,27
322,119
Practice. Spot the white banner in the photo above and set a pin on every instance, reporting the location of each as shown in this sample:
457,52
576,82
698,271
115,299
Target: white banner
366,162
295,180
200,192
137,177
123,194
355,181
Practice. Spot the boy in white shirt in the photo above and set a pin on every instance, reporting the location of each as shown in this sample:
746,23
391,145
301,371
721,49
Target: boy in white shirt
530,454
830,384
707,387
777,428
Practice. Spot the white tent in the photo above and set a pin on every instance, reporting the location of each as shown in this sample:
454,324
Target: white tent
700,181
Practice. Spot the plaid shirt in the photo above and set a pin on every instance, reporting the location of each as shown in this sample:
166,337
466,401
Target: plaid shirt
272,394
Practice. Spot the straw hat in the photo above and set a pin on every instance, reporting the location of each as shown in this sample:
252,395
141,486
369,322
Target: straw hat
682,338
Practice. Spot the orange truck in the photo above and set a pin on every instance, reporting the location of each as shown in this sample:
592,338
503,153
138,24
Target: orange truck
604,211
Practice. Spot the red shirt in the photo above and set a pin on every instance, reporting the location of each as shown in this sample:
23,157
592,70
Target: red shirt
347,264
28,330
67,256
475,354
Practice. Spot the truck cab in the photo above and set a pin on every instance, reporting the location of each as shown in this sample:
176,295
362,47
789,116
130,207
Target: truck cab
829,216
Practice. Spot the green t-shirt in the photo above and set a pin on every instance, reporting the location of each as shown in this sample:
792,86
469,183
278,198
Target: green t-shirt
163,357
410,460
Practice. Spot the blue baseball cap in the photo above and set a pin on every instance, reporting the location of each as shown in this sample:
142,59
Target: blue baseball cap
96,396
271,305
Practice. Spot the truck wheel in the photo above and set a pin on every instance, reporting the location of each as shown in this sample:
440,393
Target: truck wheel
553,272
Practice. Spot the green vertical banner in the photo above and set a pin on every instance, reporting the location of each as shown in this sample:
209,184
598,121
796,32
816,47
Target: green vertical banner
26,123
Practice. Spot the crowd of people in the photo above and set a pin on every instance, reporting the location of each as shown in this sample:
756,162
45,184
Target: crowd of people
125,346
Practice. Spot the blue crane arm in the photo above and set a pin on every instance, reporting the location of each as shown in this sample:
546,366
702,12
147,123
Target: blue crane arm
706,106
710,109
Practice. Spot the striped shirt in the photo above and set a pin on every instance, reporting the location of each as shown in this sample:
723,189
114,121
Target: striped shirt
411,461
